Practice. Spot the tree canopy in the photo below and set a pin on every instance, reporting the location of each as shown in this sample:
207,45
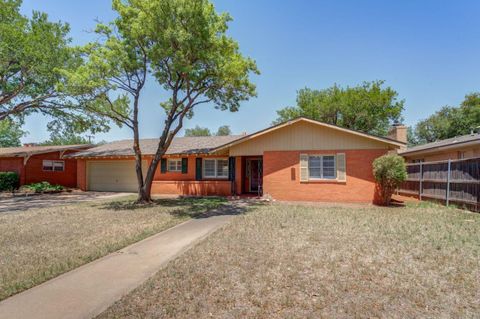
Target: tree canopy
66,138
198,131
34,54
10,133
183,47
223,130
448,122
369,107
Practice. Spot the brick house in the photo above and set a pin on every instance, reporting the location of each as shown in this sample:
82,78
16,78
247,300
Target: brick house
460,147
301,159
42,163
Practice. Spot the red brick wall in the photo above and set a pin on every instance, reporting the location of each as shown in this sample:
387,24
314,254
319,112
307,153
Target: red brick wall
13,164
186,184
34,170
197,188
82,174
281,178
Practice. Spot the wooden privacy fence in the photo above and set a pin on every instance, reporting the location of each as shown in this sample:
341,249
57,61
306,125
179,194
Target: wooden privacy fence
452,182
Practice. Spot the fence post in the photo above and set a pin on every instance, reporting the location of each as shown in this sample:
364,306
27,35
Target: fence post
420,186
448,181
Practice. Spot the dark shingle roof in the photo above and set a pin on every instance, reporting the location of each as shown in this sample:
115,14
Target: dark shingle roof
443,143
180,145
25,151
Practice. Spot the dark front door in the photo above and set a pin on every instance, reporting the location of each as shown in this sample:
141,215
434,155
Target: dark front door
254,175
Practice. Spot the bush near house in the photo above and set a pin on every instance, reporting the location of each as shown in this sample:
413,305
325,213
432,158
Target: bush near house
44,187
389,172
9,181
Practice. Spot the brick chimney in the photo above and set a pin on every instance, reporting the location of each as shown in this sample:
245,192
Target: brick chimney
29,144
398,132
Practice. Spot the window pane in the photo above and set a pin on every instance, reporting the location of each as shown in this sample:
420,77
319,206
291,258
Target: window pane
174,165
314,161
47,165
222,168
329,167
58,166
209,168
314,172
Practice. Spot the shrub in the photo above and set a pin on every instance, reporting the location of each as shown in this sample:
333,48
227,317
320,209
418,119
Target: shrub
9,181
389,172
44,187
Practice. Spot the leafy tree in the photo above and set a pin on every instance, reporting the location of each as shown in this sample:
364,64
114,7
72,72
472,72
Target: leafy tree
182,45
224,130
197,131
10,133
389,171
369,107
66,138
34,53
450,121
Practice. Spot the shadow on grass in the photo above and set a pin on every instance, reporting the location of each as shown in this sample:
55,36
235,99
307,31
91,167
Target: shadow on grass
193,207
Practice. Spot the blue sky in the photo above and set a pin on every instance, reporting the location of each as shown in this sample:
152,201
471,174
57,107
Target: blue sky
428,51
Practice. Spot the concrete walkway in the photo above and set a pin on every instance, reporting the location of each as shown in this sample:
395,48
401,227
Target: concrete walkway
90,289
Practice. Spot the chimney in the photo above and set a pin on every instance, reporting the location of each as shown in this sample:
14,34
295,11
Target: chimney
244,133
29,144
398,132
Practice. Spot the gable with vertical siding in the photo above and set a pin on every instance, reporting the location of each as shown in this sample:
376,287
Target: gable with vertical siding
304,135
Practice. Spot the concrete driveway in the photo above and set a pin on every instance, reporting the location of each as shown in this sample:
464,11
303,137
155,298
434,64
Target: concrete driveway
20,203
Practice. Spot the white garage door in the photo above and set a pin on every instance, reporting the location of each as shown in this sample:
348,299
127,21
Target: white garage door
112,176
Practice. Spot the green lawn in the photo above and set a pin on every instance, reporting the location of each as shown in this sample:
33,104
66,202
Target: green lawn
39,244
282,261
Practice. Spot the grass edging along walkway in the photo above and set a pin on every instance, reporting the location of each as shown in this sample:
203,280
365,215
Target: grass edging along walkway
286,261
40,244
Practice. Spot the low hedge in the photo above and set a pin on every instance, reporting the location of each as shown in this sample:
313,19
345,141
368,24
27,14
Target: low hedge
9,181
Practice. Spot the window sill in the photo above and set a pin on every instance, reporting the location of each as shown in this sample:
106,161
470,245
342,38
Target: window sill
323,181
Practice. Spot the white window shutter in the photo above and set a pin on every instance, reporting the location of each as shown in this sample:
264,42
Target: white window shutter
341,167
303,167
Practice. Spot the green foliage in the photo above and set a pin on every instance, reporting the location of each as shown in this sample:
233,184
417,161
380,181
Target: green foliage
66,138
43,187
34,56
368,107
449,121
224,130
183,46
389,171
9,181
10,133
198,131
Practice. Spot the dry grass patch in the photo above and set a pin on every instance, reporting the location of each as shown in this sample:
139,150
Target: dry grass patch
39,244
313,262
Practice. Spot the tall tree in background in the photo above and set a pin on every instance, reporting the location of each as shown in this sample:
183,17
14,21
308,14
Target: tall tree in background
224,130
449,121
182,45
10,133
198,131
66,138
369,107
34,53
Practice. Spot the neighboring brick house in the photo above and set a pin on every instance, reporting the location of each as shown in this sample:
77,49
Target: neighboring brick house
42,163
460,147
301,159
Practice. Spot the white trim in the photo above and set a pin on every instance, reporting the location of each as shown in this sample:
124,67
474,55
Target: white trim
52,162
321,156
215,159
176,160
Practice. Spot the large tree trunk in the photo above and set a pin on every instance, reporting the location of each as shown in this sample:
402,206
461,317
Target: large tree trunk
143,197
